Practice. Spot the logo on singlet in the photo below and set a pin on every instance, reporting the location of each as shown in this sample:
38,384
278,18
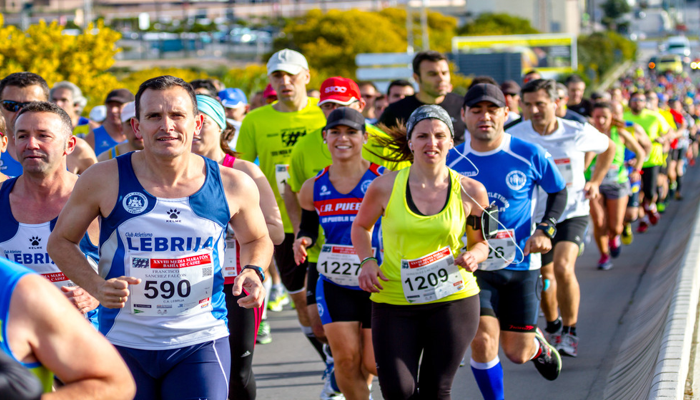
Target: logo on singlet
324,191
290,136
35,241
135,202
365,186
173,215
516,180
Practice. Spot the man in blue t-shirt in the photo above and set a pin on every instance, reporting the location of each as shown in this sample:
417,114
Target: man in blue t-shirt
511,170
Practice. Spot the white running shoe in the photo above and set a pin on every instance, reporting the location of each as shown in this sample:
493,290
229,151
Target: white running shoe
554,338
568,345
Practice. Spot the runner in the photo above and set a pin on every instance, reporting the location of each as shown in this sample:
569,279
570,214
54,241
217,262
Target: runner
3,143
423,316
656,129
270,132
243,323
236,105
70,98
41,333
162,249
109,134
576,88
30,203
679,149
608,209
509,278
132,143
334,197
398,90
567,142
656,102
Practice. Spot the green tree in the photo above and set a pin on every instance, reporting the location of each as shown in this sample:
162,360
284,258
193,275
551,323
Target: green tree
614,10
497,24
600,52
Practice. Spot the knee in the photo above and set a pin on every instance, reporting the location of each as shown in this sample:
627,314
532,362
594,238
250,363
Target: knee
347,363
483,345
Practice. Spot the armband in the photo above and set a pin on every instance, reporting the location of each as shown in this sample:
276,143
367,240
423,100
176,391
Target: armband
487,223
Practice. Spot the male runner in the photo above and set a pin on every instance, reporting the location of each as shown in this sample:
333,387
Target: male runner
398,90
132,143
70,98
568,143
270,132
577,87
162,248
509,279
47,336
30,203
110,133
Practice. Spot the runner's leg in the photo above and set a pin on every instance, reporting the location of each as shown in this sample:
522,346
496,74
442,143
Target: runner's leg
242,329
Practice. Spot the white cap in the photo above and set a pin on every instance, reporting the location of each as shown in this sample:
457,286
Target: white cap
287,60
98,113
128,111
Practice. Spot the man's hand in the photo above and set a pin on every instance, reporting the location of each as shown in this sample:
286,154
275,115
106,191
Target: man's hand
538,243
635,176
467,261
114,292
80,298
250,281
592,190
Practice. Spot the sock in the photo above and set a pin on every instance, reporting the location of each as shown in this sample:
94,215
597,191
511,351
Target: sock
268,286
489,377
278,286
538,347
570,330
309,333
553,326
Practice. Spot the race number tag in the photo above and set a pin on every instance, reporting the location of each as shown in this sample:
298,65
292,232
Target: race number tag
564,165
340,264
430,277
58,279
281,177
501,251
230,259
612,175
172,286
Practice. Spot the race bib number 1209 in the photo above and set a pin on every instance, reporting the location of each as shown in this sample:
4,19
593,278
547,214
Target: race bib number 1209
430,277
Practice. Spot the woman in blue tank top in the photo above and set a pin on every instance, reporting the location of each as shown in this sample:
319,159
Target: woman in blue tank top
332,199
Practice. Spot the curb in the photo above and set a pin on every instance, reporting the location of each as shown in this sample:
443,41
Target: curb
673,361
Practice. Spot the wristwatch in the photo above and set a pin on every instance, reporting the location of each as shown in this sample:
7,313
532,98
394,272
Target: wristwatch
549,230
258,270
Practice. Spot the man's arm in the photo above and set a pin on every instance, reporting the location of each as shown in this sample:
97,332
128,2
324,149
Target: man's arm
65,343
268,204
293,208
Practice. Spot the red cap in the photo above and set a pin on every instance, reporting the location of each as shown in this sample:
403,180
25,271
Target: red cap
269,91
339,90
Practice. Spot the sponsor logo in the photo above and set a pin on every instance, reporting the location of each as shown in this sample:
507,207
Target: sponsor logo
140,262
246,354
164,306
35,240
30,258
162,312
320,309
173,215
168,243
365,186
516,180
324,191
522,328
336,89
135,202
290,136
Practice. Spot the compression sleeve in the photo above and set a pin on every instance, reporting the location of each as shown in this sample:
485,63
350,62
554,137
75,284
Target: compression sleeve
309,226
16,382
556,204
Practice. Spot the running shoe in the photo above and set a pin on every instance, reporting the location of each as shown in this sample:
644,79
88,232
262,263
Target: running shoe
604,263
554,338
569,345
615,247
643,227
548,363
691,162
654,216
329,394
278,299
678,196
661,208
627,235
330,386
264,336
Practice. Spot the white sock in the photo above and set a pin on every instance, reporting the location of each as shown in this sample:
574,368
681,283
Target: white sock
486,365
537,348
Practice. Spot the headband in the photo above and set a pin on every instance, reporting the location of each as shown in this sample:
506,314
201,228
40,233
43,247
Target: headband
428,112
212,108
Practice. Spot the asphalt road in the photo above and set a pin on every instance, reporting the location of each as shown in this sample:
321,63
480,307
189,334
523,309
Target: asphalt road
288,368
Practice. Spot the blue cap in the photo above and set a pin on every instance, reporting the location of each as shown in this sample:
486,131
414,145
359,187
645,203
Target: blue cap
233,98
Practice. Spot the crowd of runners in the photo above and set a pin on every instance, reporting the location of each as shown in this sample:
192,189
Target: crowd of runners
404,227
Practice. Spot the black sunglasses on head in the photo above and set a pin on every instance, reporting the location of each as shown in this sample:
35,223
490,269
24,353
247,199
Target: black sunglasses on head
13,106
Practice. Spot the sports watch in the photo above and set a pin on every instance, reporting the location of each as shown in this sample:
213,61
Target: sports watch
258,270
549,230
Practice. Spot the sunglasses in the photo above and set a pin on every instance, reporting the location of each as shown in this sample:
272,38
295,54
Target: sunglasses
13,106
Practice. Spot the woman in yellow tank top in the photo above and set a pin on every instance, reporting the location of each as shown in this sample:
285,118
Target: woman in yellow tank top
425,307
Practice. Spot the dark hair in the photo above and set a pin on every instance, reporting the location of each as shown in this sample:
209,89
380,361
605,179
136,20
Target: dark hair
637,93
548,85
24,79
532,71
205,84
399,83
367,83
226,136
650,92
573,79
563,89
395,141
163,83
46,107
430,55
482,79
602,104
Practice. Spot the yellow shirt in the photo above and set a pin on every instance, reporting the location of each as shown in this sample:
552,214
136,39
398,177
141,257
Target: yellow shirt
406,236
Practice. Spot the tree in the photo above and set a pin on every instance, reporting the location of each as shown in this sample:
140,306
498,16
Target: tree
497,24
615,9
43,49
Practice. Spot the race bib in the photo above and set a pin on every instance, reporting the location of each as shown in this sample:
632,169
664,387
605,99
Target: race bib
281,177
340,264
501,251
431,277
230,259
612,175
564,165
172,286
58,279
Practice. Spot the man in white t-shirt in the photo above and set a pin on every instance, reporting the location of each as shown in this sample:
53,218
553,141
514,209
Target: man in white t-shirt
567,142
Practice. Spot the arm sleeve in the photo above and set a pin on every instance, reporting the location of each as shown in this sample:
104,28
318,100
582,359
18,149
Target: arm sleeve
16,382
589,139
296,170
246,146
556,204
309,226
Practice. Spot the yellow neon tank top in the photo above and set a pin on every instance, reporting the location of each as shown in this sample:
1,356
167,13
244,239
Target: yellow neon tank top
407,235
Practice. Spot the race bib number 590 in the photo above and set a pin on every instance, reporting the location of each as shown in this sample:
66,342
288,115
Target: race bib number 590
430,277
172,286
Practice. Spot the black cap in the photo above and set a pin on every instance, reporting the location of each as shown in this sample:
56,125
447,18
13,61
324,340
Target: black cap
484,92
510,87
346,116
121,96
